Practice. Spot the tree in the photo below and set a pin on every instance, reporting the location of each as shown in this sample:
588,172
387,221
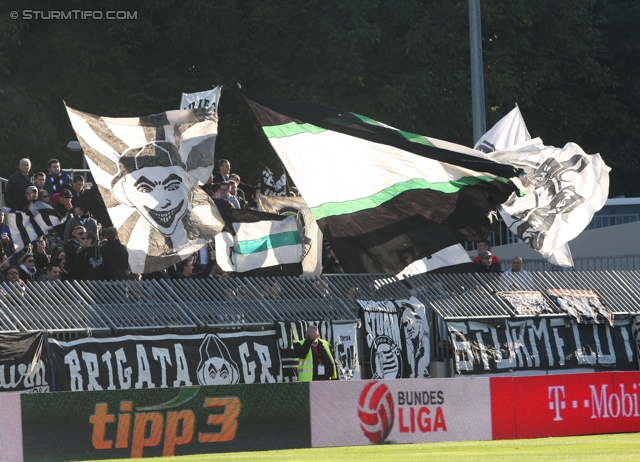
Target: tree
572,70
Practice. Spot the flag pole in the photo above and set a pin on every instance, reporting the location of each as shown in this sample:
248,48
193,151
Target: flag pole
477,78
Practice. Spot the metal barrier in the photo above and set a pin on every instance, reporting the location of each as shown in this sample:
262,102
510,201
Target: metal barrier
78,308
618,263
105,308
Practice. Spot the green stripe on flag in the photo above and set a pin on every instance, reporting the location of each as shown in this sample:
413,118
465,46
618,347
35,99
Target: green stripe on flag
268,242
291,129
356,205
367,120
407,135
416,138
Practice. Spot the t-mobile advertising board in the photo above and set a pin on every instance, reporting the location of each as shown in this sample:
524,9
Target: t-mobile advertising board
399,411
563,405
164,421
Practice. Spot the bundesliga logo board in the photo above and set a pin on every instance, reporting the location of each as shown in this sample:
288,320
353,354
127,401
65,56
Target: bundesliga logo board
400,411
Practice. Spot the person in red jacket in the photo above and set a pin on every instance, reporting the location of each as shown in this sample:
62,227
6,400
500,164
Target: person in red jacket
485,246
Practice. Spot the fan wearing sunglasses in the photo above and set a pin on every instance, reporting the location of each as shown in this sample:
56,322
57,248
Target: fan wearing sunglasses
88,263
73,244
12,281
27,269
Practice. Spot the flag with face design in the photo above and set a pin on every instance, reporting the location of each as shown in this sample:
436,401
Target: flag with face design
147,170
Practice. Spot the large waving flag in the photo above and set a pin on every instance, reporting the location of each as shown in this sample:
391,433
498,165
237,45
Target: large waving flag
147,170
569,187
383,197
27,226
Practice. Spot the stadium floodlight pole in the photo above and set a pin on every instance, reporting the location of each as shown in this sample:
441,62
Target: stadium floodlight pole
477,78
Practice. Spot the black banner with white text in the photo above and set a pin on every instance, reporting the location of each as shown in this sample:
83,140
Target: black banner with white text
396,337
161,361
542,344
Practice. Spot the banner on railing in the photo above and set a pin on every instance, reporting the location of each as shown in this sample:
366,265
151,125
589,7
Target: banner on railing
24,366
396,334
161,361
541,344
345,347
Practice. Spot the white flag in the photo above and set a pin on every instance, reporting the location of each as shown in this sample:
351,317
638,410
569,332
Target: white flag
200,99
569,186
511,131
507,132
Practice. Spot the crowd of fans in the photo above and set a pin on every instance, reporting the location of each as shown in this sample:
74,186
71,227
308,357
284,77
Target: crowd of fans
83,248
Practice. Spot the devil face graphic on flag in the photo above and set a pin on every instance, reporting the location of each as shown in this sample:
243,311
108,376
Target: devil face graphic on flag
147,170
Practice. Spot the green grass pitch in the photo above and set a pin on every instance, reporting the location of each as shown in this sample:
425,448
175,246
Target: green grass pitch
617,447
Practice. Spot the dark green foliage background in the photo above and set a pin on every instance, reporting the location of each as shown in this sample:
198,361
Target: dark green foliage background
571,66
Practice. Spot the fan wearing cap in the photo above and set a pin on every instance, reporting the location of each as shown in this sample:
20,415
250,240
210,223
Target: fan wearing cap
63,202
81,217
486,265
482,246
64,207
31,195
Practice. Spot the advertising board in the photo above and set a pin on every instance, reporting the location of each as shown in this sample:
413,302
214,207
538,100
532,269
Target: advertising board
350,413
565,405
165,421
10,428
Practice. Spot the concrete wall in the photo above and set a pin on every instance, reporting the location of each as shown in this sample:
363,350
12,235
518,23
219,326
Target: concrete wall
603,242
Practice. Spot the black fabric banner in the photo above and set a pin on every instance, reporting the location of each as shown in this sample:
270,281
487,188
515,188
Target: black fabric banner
541,344
290,332
24,366
382,339
160,361
396,336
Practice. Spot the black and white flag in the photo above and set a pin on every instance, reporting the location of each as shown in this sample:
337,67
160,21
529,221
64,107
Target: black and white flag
161,361
147,170
345,347
382,338
38,220
566,187
272,186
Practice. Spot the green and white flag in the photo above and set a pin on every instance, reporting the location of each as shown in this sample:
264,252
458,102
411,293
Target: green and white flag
259,244
383,197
